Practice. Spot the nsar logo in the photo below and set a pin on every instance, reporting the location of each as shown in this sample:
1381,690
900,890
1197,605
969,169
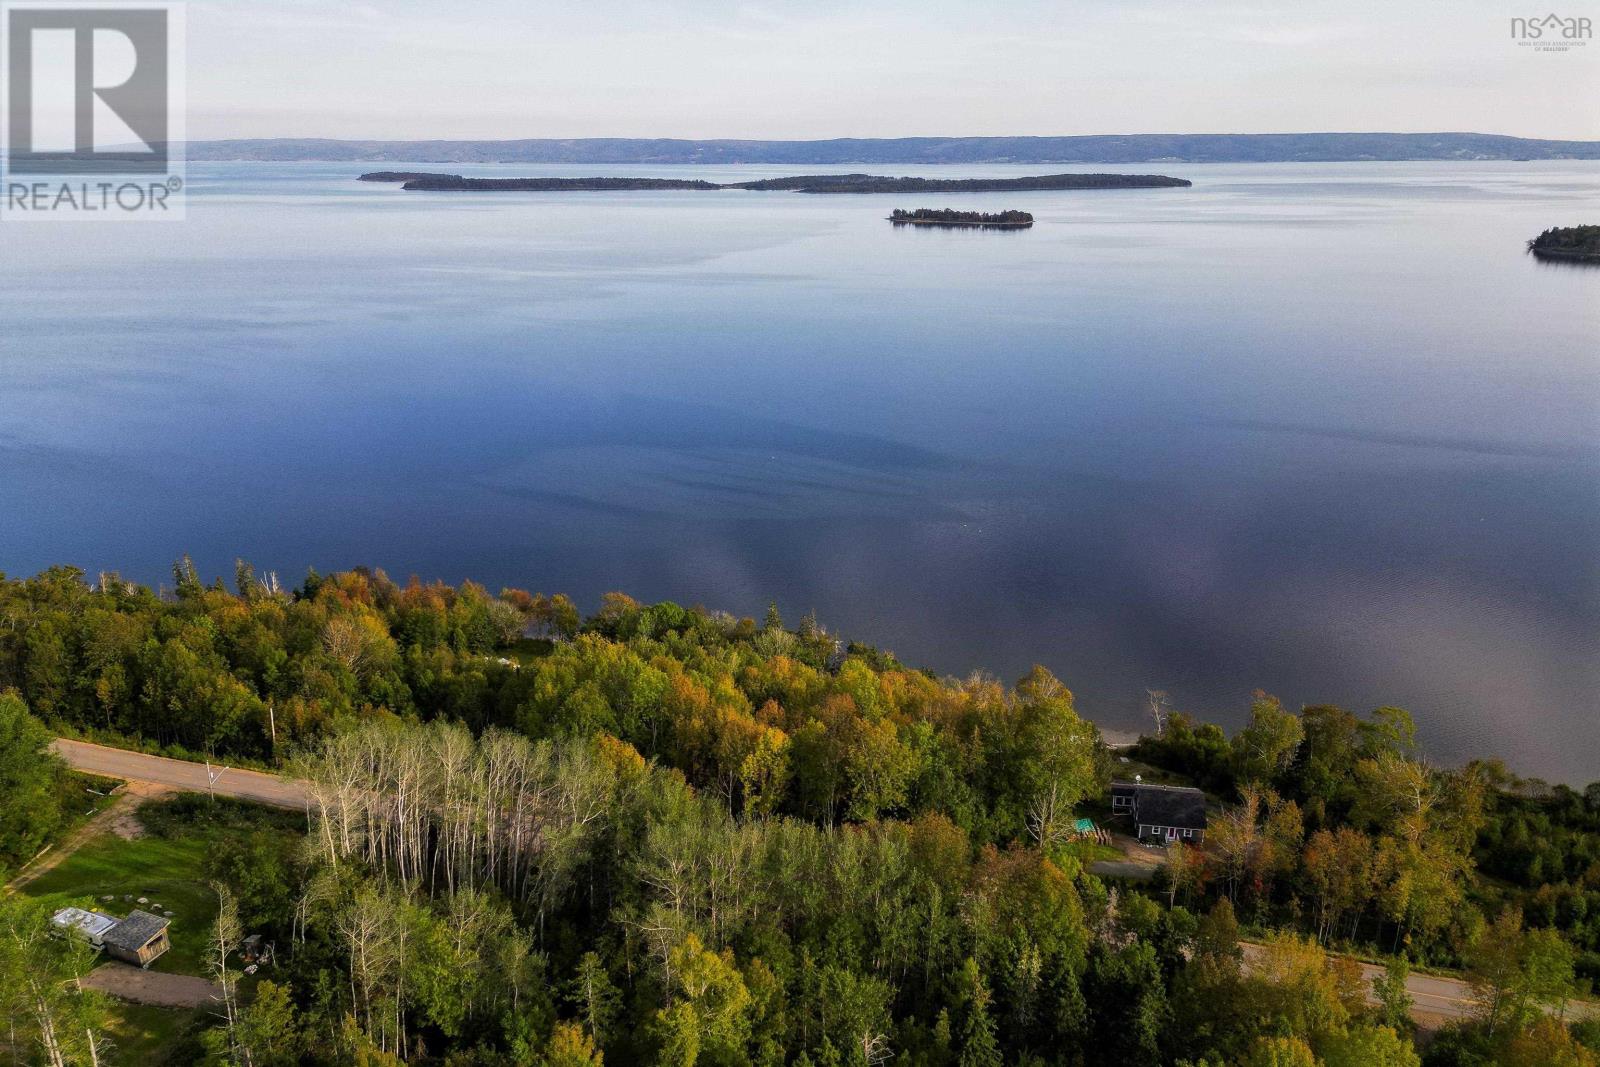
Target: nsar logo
1552,33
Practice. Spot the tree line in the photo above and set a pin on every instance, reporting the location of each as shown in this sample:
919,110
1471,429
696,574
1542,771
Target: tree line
668,835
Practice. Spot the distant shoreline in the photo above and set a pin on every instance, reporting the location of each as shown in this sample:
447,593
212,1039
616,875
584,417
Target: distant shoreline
805,183
1140,149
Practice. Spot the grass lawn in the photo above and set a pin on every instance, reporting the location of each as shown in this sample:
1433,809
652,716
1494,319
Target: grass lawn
528,650
168,871
1148,773
1089,851
146,1035
167,866
83,795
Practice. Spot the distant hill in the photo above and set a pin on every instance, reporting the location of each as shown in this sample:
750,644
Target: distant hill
804,183
1131,148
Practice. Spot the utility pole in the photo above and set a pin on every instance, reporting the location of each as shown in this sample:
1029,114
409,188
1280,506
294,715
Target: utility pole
211,779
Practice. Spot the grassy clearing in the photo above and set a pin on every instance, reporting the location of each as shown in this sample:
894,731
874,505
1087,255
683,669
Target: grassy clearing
168,872
1089,851
146,1036
1126,766
81,798
83,795
168,867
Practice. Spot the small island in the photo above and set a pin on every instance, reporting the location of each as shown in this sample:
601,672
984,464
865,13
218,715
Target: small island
927,216
398,176
1577,243
804,183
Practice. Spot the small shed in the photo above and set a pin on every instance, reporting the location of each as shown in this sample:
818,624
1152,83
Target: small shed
254,949
140,938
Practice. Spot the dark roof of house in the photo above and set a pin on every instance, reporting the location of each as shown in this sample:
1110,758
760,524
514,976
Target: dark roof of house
135,932
1170,805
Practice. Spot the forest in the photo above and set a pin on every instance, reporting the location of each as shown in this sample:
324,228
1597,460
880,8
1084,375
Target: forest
657,834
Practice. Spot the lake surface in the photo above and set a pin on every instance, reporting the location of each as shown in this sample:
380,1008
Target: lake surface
1323,430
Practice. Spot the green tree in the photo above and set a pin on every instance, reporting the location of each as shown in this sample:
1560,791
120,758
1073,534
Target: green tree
267,1033
878,768
1365,1046
571,1047
1129,998
1279,1052
258,867
1056,768
30,776
1518,974
1216,942
1547,1043
43,1006
979,1045
564,617
1394,1000
708,1015
1338,865
595,996
1268,743
1292,989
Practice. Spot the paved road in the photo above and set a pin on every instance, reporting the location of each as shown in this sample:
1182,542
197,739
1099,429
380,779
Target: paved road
179,774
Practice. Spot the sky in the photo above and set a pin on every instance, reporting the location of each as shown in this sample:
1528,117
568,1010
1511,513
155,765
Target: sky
411,69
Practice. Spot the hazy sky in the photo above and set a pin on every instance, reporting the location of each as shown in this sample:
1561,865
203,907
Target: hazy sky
828,68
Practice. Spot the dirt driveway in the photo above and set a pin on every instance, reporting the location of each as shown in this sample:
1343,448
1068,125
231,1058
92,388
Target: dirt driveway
120,817
153,987
1139,862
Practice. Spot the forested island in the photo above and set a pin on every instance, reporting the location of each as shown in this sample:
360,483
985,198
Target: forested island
1580,243
924,216
452,183
400,176
805,183
668,835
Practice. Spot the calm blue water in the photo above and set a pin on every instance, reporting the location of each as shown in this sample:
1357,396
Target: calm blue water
1319,429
